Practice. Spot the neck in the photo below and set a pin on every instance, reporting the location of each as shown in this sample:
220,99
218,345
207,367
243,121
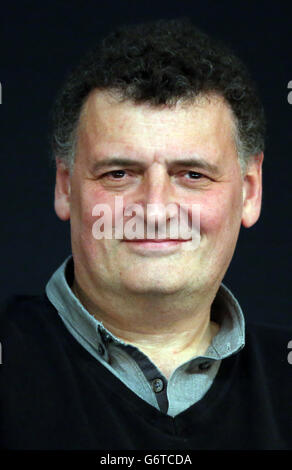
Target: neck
169,329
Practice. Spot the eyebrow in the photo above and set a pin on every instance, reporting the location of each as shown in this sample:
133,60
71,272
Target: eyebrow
197,162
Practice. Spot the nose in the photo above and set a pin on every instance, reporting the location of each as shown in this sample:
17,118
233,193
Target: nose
156,184
158,200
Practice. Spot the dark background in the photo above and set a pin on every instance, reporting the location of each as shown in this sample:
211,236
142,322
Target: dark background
40,44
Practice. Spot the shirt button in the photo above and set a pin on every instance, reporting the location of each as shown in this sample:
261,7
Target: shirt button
157,385
205,365
100,350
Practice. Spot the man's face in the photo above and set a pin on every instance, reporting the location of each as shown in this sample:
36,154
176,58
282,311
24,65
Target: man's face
153,138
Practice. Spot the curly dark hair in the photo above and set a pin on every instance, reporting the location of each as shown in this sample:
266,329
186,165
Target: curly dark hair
160,63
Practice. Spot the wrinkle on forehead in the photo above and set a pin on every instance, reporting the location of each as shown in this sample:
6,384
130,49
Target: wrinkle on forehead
111,127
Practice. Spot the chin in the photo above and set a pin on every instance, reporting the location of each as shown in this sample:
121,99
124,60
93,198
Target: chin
154,286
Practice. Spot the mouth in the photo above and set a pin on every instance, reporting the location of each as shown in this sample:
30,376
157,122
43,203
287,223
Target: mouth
155,247
154,240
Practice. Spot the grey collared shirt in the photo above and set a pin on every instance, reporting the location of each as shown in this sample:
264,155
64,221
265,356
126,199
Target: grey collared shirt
187,384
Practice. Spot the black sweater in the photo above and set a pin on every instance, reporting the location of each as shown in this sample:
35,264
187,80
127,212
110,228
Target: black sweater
55,395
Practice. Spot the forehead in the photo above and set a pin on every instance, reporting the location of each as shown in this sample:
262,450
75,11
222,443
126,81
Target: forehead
107,124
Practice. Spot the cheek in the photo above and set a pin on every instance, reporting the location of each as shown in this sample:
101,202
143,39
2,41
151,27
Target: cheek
97,210
88,206
220,211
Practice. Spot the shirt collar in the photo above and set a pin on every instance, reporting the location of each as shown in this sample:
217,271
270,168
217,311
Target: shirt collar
225,311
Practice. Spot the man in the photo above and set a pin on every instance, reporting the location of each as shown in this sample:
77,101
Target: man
136,343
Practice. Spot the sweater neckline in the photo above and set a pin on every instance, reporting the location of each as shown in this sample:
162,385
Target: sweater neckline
114,387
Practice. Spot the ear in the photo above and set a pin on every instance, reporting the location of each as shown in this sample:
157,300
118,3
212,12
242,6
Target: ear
252,191
62,191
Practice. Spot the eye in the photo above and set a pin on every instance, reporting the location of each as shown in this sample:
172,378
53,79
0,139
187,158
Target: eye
116,174
193,179
118,178
194,175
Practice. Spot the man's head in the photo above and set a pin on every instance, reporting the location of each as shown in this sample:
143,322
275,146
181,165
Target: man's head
158,96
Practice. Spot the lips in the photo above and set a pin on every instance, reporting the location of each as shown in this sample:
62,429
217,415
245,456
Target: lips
155,247
153,240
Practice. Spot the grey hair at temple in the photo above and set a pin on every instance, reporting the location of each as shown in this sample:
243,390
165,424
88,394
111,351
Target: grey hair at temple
161,63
